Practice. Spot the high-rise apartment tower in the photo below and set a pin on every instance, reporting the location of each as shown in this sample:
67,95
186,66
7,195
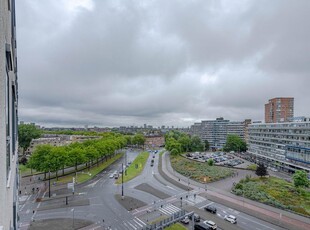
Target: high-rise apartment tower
280,109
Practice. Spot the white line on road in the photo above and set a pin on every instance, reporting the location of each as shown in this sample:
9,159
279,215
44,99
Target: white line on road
256,222
205,205
171,188
137,223
132,225
140,221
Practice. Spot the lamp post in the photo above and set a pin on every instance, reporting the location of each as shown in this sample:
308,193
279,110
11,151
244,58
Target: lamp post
49,182
126,163
122,182
72,210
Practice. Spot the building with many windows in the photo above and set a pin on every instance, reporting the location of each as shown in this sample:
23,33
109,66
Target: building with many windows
216,131
286,144
280,109
8,117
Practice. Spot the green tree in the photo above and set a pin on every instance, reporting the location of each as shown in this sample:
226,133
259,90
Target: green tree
185,142
300,178
38,159
76,156
56,159
91,154
196,144
261,170
138,139
234,143
27,132
210,162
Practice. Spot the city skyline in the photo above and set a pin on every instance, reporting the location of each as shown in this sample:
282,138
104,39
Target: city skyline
110,63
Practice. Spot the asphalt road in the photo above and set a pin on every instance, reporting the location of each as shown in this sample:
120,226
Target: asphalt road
104,210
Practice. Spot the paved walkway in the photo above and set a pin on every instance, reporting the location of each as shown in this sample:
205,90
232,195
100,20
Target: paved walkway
276,216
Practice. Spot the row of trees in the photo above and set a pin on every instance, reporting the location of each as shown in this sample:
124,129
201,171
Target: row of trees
177,142
138,139
27,132
50,158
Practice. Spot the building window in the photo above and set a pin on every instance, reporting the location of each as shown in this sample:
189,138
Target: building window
7,121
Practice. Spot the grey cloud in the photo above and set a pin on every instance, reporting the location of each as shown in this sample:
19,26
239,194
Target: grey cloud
128,62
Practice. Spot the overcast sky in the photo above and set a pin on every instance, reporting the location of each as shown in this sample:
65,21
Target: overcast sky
112,62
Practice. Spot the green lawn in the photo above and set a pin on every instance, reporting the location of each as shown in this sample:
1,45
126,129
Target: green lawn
86,175
252,167
276,192
198,170
25,171
176,226
132,171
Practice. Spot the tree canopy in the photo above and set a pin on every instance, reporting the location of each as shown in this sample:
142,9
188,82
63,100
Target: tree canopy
261,170
300,178
177,142
27,132
234,143
53,158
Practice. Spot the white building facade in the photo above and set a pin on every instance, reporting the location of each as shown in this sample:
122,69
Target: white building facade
8,117
216,131
286,143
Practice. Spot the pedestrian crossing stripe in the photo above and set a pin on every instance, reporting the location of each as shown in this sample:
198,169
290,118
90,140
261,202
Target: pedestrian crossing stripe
134,224
170,209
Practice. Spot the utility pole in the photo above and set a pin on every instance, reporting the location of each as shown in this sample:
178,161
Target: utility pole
49,183
122,181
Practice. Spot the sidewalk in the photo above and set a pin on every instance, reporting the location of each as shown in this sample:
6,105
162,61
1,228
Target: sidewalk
275,216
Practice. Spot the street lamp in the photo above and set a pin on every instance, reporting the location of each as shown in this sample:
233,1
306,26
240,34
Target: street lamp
72,210
126,163
49,181
122,181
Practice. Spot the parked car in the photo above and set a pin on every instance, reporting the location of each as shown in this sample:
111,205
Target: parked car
195,216
185,220
111,175
210,208
232,219
210,224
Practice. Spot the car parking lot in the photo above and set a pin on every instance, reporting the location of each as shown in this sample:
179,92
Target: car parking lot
219,158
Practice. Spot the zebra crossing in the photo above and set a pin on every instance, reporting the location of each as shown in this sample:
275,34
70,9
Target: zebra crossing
133,224
169,209
195,199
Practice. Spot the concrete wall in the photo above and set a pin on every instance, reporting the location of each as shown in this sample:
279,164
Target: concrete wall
8,143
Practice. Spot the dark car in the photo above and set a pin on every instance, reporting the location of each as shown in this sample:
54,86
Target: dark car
196,217
201,226
210,208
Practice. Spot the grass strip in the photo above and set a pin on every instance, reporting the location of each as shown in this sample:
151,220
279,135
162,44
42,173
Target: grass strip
135,168
176,226
87,175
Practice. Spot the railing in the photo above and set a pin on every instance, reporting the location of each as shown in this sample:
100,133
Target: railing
175,217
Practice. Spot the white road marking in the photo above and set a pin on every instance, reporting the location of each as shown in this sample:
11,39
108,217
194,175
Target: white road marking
132,225
137,223
256,222
206,205
140,221
171,188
